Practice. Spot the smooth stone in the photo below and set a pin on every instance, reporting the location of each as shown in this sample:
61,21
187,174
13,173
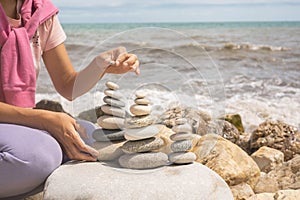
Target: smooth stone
113,94
103,135
94,180
183,145
145,145
142,101
142,133
138,122
182,157
115,111
108,151
110,122
180,121
182,136
143,160
113,102
140,110
140,94
112,85
182,128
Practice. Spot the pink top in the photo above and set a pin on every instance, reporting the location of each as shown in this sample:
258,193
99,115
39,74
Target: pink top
49,35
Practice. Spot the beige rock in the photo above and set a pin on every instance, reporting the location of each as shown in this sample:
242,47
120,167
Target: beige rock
287,195
141,121
267,158
266,184
109,122
265,196
145,145
140,110
142,101
108,151
227,159
112,85
115,111
142,133
242,191
113,94
140,94
113,102
182,157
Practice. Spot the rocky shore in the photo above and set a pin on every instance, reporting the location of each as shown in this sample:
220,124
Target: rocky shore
263,165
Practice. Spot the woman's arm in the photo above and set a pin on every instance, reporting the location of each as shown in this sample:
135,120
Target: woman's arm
71,84
60,125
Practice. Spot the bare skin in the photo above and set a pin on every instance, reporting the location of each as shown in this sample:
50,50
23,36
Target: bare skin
70,84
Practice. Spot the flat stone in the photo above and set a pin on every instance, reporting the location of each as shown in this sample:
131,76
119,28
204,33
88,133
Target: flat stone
183,145
113,102
112,85
103,135
110,122
94,180
145,145
180,121
142,133
182,128
182,136
113,94
142,101
140,94
143,160
182,157
141,121
111,110
108,151
140,110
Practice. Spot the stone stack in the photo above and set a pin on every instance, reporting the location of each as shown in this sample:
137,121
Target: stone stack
113,117
142,138
182,143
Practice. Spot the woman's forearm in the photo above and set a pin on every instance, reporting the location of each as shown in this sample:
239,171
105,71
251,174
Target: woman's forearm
22,116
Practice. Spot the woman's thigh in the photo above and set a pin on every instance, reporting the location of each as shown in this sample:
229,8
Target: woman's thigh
27,157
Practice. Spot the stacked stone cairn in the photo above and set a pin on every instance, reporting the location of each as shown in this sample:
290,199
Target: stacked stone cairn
112,120
182,143
142,141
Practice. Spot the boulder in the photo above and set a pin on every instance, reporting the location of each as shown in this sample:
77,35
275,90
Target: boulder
267,158
242,191
266,184
225,129
227,159
96,181
277,135
287,195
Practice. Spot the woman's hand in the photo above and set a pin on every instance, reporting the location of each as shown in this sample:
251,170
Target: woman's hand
65,130
118,61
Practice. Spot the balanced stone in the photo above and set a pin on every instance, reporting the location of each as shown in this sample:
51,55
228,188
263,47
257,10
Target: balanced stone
180,121
138,122
140,110
115,111
102,135
143,160
182,157
183,145
145,145
142,133
113,94
142,101
112,85
182,136
183,128
108,151
140,94
113,102
110,122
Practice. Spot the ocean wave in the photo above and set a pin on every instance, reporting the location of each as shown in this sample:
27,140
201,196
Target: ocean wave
252,47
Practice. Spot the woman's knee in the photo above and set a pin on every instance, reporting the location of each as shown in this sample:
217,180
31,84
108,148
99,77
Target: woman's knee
27,158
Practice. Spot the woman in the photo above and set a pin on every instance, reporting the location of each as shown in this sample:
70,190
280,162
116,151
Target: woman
33,141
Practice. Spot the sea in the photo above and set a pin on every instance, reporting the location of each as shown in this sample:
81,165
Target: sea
249,68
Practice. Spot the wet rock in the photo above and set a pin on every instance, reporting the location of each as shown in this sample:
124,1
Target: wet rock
277,135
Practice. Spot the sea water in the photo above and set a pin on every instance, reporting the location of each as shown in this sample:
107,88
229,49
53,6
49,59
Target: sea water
250,68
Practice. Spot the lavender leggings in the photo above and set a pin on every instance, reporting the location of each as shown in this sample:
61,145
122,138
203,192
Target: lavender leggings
27,157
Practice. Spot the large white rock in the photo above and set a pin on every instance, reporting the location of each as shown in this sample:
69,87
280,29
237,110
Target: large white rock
96,181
